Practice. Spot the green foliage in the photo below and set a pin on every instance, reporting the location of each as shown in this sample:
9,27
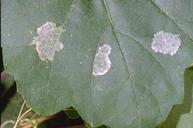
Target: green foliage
186,119
141,86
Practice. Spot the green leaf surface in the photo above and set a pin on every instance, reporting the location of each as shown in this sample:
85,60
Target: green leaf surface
186,120
141,86
185,107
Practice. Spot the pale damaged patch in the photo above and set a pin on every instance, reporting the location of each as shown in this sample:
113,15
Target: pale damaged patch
48,41
166,43
102,62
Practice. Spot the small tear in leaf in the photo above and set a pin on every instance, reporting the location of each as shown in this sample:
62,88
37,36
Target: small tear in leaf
166,43
48,41
102,62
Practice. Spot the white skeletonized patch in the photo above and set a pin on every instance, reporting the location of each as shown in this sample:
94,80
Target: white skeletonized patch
102,62
48,41
166,43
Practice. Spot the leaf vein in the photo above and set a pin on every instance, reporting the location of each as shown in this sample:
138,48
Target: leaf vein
173,20
124,58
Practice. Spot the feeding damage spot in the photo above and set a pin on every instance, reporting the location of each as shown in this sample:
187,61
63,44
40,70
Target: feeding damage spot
166,43
48,40
102,62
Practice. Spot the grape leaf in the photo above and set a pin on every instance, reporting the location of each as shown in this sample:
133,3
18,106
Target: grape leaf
141,85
